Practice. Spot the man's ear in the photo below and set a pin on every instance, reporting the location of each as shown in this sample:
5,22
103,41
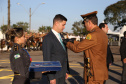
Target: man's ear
89,23
56,23
16,39
102,28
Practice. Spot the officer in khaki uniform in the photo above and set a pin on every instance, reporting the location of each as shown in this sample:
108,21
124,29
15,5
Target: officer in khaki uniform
95,50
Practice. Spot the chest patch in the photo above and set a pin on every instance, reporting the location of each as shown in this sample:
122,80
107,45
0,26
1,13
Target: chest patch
17,56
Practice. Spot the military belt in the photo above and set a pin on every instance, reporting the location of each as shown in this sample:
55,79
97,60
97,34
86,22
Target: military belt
15,73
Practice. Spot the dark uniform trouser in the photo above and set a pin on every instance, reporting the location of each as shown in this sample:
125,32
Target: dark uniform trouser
124,74
20,80
60,80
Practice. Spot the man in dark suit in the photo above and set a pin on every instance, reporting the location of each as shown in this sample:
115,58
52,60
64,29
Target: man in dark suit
54,50
123,58
110,59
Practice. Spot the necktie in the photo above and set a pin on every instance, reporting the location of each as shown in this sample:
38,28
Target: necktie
61,41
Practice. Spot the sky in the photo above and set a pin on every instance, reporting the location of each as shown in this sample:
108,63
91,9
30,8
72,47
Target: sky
44,13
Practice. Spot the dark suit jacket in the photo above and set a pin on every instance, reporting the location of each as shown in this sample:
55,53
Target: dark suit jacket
123,49
53,51
109,55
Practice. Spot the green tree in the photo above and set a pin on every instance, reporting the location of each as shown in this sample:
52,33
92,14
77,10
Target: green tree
78,28
45,29
24,25
48,28
3,28
115,14
42,29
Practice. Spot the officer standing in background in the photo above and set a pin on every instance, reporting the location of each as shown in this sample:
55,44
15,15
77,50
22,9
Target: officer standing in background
19,57
95,49
123,58
110,59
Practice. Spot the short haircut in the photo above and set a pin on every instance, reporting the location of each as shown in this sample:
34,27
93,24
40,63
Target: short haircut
93,19
59,18
102,25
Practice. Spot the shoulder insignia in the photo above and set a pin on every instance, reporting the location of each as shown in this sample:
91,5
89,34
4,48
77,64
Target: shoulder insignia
88,36
17,56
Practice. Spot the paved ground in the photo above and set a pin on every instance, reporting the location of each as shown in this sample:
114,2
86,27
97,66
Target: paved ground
76,68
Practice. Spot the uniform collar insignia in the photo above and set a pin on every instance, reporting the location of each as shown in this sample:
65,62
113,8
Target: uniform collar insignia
93,29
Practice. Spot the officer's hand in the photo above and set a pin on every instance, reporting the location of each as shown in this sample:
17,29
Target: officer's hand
67,40
45,71
71,40
53,81
124,60
110,64
67,75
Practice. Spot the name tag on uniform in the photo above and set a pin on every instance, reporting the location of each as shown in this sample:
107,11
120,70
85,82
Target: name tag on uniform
17,56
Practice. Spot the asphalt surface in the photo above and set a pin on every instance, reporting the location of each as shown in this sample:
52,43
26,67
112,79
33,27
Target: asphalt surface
76,68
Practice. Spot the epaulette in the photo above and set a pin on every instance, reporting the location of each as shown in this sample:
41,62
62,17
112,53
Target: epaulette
15,47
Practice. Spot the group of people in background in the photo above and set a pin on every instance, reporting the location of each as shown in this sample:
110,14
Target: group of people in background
36,35
97,53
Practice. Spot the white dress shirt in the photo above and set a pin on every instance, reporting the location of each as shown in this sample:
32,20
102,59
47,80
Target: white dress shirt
56,34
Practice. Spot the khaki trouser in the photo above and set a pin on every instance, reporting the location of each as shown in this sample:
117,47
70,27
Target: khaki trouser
95,82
